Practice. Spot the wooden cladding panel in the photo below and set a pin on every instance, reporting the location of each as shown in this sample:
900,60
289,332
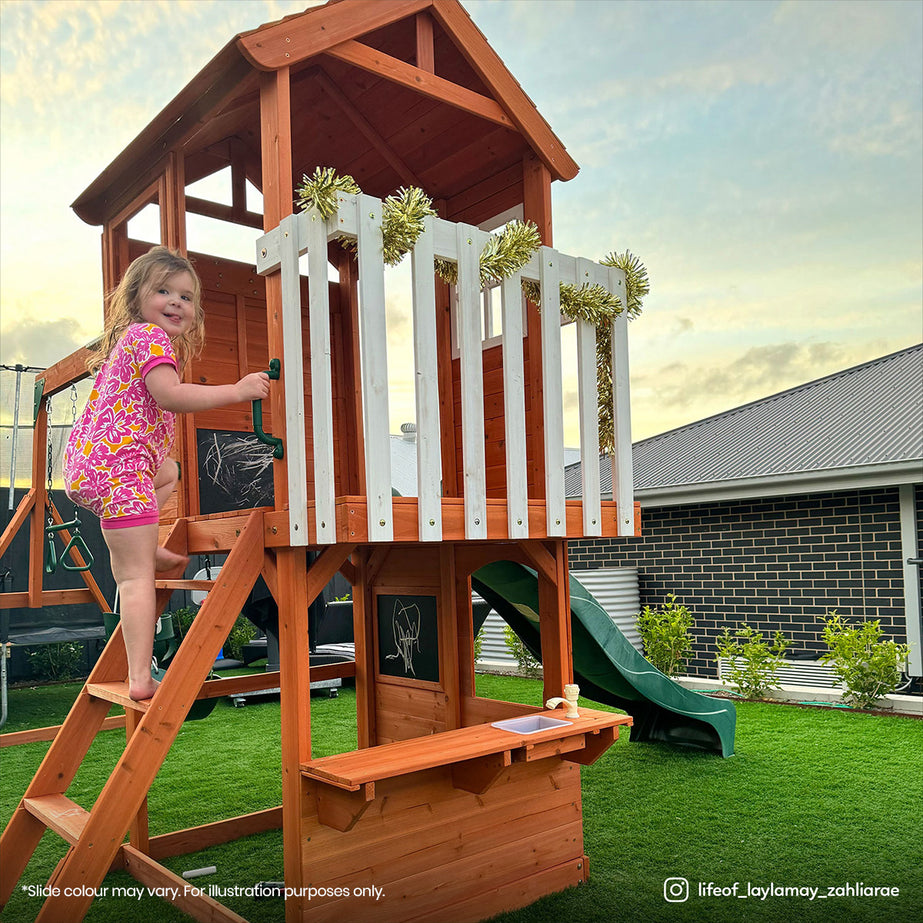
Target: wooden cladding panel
402,712
494,420
425,842
420,569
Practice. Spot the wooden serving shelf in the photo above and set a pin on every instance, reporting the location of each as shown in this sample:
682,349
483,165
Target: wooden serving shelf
477,755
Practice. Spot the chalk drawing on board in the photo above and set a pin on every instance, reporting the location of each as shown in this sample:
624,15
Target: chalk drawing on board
235,471
406,622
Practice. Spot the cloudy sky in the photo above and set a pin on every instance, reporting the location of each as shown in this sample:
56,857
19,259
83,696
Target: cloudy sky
762,158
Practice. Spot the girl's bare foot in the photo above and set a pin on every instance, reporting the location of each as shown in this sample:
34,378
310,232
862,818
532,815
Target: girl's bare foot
143,690
165,560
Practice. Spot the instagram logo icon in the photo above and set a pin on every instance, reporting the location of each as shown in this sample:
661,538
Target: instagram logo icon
676,890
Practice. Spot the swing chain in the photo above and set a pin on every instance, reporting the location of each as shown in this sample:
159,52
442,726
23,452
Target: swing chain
76,542
50,452
51,557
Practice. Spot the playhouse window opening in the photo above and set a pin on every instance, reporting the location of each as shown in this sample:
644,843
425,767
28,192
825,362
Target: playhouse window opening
145,224
216,187
222,239
215,236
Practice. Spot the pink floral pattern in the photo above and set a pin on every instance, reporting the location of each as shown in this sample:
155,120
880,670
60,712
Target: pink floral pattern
123,435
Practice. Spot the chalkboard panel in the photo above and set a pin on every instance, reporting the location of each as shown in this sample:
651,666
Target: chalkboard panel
235,471
408,638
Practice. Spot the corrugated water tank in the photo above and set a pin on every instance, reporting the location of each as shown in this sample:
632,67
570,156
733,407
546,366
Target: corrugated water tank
616,590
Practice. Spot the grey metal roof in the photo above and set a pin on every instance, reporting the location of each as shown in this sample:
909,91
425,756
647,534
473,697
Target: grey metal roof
866,416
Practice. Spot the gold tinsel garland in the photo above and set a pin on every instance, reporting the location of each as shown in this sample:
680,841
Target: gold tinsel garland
504,254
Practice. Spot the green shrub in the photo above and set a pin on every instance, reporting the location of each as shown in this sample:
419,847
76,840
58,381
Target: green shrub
528,665
665,635
867,665
182,619
238,638
754,661
57,662
241,635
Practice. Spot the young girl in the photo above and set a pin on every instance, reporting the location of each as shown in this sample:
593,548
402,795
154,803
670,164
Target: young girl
116,462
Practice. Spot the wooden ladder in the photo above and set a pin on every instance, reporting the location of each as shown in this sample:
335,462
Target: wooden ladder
96,836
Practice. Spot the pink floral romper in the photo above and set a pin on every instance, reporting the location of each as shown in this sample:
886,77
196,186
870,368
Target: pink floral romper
123,436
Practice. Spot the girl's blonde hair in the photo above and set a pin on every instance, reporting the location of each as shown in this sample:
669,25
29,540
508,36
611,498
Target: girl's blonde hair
145,274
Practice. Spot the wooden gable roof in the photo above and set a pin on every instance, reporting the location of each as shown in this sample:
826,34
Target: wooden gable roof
394,92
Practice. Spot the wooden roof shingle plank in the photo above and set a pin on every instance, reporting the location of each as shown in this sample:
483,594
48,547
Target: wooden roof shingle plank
313,32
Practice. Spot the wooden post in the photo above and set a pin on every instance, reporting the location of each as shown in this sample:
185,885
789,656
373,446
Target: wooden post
291,563
295,705
276,149
139,831
37,525
363,619
425,56
454,654
464,628
172,196
115,254
554,621
536,190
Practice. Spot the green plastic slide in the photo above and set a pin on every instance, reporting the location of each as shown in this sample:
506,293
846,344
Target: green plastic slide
607,667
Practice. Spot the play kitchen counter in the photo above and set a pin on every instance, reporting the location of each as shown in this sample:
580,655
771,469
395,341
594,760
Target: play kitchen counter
476,756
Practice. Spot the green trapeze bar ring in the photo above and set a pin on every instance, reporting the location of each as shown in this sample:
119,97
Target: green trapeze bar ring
76,543
73,524
79,545
278,450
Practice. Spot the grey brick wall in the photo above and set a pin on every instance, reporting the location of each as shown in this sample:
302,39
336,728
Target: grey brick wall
780,563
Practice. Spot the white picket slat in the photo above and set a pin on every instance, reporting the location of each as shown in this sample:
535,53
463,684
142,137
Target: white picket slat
293,383
445,239
622,470
472,381
373,343
426,386
321,379
552,393
514,408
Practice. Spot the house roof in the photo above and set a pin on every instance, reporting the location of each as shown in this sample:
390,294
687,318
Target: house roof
863,425
457,124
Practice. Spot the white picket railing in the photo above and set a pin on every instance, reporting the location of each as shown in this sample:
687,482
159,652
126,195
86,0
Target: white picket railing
359,218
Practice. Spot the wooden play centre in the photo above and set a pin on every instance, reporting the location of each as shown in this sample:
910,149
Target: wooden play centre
449,805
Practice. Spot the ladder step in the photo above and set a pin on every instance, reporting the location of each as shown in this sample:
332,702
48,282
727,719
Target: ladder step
58,813
184,584
117,693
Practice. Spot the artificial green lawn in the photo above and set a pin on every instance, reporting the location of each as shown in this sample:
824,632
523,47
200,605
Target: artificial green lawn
812,798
